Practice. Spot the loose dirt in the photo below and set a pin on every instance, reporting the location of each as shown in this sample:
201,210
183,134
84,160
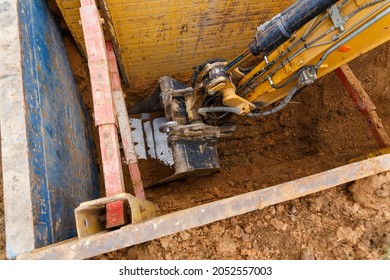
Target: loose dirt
319,130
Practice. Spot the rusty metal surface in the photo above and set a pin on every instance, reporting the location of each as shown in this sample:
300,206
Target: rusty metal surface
124,124
104,110
364,104
90,215
211,212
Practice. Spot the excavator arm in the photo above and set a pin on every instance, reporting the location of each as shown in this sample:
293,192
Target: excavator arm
304,42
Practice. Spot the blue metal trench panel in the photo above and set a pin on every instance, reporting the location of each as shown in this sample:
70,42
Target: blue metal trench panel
63,170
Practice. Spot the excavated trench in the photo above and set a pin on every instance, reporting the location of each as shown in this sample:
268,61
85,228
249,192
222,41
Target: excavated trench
319,130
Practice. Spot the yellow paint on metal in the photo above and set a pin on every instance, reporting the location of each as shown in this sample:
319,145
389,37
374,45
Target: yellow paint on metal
364,42
169,37
376,153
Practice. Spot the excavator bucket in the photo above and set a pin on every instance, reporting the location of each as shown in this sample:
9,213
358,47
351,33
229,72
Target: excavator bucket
188,149
183,159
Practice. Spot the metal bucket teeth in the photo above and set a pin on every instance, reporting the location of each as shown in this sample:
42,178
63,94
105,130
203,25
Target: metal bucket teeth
149,141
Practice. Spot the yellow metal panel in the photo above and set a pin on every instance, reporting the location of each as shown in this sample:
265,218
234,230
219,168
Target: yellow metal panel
169,37
71,14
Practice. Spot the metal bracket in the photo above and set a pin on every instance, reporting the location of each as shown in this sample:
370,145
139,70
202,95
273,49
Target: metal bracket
91,215
307,77
337,18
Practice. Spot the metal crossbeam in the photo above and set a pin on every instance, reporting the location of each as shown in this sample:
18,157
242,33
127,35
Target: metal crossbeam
204,214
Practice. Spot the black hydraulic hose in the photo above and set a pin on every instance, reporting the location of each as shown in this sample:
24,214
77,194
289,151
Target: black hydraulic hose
280,106
203,111
280,28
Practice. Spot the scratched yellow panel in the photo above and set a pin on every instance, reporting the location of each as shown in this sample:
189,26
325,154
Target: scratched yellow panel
169,37
70,12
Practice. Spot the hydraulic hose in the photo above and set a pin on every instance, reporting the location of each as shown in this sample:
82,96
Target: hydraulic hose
280,28
205,110
352,35
280,106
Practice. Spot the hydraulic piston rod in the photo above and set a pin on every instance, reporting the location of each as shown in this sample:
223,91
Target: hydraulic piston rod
280,28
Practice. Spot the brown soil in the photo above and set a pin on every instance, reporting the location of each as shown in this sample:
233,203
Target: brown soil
320,129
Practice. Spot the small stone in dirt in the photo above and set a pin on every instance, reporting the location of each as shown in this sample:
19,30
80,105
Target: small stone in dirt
184,235
280,208
314,218
361,251
165,243
238,231
316,204
226,245
245,252
272,210
218,192
382,192
205,230
231,183
132,254
267,217
277,223
306,254
216,230
293,210
234,221
285,226
344,233
247,244
246,237
355,207
350,235
248,229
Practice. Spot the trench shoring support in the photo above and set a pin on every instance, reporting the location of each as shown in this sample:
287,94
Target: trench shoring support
124,124
130,235
364,104
104,110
